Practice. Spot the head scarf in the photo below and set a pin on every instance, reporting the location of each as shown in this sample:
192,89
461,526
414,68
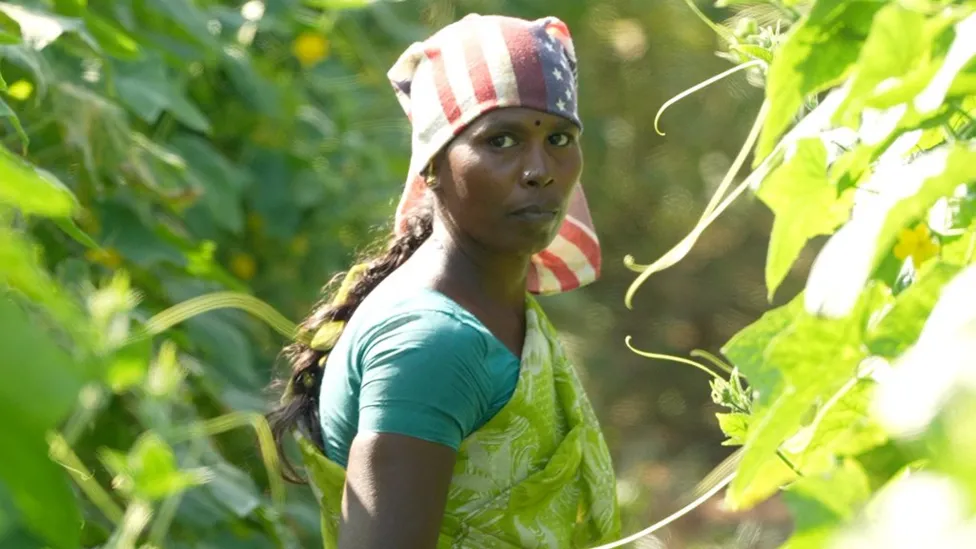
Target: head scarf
480,63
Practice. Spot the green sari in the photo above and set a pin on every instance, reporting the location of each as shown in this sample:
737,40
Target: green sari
537,475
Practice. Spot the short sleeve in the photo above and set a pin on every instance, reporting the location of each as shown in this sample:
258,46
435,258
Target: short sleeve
425,375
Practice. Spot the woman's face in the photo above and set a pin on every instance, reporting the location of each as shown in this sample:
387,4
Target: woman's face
505,182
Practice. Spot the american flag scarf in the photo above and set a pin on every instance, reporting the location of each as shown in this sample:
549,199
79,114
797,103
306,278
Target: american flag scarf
480,63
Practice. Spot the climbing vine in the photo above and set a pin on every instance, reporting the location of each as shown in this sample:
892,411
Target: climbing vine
855,398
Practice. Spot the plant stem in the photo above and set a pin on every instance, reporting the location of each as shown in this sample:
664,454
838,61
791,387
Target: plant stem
62,454
658,356
265,444
671,518
786,460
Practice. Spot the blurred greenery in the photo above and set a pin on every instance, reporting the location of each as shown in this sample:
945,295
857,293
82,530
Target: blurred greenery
157,151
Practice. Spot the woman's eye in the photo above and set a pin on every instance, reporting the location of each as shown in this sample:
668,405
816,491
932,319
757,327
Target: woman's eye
561,139
502,141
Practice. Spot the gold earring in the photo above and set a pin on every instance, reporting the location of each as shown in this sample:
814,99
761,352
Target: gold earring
429,178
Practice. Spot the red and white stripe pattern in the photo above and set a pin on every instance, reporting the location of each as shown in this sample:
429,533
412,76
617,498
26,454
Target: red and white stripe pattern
485,62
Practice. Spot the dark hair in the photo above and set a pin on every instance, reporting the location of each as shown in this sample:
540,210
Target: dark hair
298,408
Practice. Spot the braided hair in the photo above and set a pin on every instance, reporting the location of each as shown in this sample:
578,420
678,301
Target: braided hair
298,408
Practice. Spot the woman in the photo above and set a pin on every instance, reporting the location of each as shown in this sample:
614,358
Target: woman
435,404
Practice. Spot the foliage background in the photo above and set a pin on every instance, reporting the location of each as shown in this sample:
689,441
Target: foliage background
182,147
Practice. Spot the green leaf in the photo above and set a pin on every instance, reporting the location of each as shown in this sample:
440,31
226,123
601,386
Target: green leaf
113,39
38,386
943,169
40,488
127,232
73,8
842,427
190,18
814,356
901,326
8,113
338,4
818,53
753,51
805,204
129,365
747,349
821,504
735,426
20,269
150,470
894,47
72,229
234,489
32,190
897,195
148,90
222,181
9,31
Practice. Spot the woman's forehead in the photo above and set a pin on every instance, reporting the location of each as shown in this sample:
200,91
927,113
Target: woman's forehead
522,116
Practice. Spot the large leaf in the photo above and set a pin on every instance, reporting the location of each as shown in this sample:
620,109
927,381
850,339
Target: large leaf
946,168
148,90
901,326
896,195
21,271
805,204
815,357
32,190
222,181
113,39
821,504
38,384
937,366
127,232
190,18
894,47
817,54
842,427
747,349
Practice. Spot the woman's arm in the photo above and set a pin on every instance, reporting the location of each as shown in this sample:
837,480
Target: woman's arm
396,492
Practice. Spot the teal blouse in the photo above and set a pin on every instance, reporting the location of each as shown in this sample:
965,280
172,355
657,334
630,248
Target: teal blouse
411,361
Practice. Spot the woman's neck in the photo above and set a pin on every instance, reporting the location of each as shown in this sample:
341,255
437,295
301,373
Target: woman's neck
466,267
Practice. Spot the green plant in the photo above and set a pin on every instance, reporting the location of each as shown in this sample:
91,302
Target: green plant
161,159
859,392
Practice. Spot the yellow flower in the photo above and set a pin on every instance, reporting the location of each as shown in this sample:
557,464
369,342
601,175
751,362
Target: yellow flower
310,48
916,243
20,90
243,266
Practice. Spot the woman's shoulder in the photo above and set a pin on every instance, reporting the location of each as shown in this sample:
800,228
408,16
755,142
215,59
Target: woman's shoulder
415,315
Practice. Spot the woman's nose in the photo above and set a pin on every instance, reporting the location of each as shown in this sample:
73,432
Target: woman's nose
536,171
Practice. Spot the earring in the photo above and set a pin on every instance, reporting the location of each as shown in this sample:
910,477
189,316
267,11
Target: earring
429,178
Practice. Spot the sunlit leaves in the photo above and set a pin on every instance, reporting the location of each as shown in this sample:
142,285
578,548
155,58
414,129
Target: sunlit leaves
814,358
901,326
32,190
822,503
818,53
148,90
904,192
805,204
894,47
